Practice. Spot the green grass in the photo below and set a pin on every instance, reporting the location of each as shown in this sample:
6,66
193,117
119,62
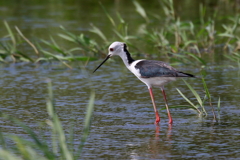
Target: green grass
85,50
36,146
200,106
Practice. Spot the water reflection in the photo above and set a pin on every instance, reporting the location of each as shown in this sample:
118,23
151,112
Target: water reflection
187,142
169,132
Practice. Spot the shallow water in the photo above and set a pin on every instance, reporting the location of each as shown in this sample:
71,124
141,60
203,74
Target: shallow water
123,118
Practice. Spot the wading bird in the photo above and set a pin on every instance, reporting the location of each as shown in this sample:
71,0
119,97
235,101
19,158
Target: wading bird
150,72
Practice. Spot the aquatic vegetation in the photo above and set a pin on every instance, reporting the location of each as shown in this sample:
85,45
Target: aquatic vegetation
178,40
200,107
36,147
119,29
9,50
176,37
234,56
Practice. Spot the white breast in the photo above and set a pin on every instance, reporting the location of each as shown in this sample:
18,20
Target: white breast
132,68
157,81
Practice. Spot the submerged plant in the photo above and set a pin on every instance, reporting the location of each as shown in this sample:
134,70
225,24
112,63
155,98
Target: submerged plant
37,147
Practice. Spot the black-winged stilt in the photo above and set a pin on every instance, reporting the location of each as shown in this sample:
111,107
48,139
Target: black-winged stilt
150,72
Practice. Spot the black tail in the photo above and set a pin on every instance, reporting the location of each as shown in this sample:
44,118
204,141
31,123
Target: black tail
182,74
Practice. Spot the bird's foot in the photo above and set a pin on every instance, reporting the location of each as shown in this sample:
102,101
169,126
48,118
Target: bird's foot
157,120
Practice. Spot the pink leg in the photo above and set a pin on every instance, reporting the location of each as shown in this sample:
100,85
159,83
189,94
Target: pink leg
165,98
154,106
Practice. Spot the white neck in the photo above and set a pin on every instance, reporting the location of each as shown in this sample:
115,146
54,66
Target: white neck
126,57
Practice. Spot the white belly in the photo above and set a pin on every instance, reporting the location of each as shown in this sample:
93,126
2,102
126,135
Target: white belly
157,81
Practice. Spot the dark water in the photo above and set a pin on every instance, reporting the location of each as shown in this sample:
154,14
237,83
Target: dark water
123,117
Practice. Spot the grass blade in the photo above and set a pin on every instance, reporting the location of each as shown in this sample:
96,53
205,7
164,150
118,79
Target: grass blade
22,148
57,127
38,143
54,46
107,14
24,57
206,88
98,32
209,97
219,103
140,10
31,44
195,107
197,59
7,155
194,93
10,33
87,124
66,37
2,140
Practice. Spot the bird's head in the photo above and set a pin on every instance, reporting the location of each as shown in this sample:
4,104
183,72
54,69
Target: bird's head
116,48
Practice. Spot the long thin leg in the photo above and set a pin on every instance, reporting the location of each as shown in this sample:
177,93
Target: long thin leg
154,106
165,98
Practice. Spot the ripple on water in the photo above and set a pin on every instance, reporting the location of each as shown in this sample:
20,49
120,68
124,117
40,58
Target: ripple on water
122,124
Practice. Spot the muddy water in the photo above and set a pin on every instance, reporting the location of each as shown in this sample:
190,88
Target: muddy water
123,118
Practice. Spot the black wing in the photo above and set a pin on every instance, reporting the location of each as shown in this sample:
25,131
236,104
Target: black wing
152,68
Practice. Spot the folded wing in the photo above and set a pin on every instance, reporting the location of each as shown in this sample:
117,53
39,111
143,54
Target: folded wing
152,68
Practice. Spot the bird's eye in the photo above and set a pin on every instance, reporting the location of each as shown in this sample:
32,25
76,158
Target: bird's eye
111,49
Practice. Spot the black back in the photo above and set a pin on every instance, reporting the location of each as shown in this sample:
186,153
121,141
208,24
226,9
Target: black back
152,68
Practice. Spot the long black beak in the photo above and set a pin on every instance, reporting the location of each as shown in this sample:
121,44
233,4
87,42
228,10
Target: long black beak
102,62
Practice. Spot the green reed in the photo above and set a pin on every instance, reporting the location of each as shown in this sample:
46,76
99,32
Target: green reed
178,40
52,51
9,48
200,105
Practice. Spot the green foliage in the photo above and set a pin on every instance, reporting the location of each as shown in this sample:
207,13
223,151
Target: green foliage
180,41
37,147
9,51
234,56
